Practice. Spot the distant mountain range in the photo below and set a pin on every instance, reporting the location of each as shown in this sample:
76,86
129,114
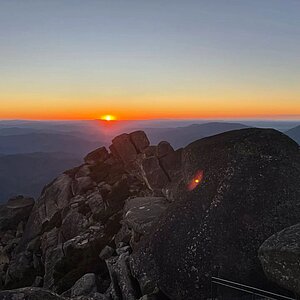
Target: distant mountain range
182,136
46,142
294,133
33,153
27,173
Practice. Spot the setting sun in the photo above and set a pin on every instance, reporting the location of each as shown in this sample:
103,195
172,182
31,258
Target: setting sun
108,118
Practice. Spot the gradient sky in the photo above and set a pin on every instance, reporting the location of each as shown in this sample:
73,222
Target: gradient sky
80,59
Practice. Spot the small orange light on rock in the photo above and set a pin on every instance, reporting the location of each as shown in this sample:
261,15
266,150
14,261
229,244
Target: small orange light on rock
196,180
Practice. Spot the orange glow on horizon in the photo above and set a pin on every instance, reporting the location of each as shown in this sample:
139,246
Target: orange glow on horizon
177,109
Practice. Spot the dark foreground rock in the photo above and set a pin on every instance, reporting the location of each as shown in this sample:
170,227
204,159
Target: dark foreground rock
13,217
29,293
279,256
250,190
77,217
148,222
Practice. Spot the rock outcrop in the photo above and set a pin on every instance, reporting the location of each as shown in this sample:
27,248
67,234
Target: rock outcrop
13,217
249,190
78,216
148,222
279,256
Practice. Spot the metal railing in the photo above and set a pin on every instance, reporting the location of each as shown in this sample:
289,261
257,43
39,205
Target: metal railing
248,290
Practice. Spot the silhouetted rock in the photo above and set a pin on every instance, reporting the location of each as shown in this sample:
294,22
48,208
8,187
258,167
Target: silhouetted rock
139,140
98,155
163,149
123,148
150,151
279,256
171,164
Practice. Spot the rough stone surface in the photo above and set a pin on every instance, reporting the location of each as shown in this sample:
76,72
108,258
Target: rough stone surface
279,256
171,163
106,252
93,296
156,177
150,151
164,148
38,282
15,211
139,140
141,213
123,147
85,286
29,293
249,191
123,285
98,155
13,216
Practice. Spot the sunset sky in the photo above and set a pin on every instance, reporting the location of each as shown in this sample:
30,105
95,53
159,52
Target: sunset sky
81,59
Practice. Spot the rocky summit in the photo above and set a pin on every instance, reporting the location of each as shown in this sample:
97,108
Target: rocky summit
141,221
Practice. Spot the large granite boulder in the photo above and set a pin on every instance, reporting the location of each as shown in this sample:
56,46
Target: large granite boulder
280,258
139,140
234,191
164,148
123,148
98,155
142,212
84,286
139,216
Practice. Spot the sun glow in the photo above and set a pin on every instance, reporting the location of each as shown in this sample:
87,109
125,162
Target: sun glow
108,118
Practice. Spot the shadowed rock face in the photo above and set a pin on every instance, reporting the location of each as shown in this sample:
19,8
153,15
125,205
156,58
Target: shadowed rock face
13,217
29,293
98,155
279,256
16,210
250,190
